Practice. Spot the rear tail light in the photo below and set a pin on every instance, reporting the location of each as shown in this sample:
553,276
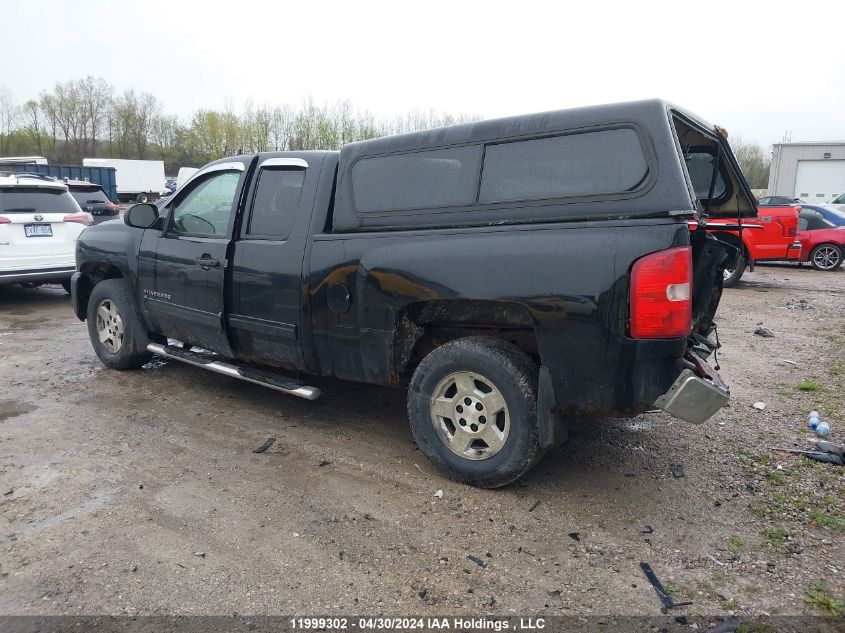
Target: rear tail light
4,220
661,294
790,224
82,218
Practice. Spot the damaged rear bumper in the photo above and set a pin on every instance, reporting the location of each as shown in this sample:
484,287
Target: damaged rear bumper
696,394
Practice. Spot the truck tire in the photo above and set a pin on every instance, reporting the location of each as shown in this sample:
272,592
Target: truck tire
733,275
826,257
141,197
472,404
116,332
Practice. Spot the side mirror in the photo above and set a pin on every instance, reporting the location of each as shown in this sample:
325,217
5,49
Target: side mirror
141,216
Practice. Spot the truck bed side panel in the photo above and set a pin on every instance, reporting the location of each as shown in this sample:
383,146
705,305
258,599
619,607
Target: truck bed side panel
571,278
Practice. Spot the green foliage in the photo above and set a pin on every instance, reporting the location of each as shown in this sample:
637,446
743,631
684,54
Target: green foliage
735,545
818,594
82,118
754,162
808,385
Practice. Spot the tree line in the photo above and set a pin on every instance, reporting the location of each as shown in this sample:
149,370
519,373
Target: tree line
82,118
85,117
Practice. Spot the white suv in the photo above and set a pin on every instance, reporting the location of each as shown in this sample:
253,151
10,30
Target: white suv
39,225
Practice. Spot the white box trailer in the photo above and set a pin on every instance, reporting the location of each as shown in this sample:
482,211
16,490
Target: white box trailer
139,180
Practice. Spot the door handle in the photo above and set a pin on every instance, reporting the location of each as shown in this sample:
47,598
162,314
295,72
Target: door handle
207,261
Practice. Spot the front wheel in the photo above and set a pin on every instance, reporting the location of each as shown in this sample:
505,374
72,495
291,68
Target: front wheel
115,330
733,273
472,405
826,257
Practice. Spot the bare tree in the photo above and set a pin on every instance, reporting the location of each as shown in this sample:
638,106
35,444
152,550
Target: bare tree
9,113
96,97
754,162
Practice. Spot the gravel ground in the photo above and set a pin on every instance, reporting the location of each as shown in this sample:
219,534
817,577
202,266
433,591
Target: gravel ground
138,492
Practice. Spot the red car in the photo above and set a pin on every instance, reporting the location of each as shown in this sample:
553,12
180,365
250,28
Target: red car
821,231
771,236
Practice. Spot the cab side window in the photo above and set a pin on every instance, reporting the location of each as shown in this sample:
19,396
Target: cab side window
205,209
275,203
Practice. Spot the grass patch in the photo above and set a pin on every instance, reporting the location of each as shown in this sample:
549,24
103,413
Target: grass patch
775,538
809,385
818,594
775,477
735,546
730,605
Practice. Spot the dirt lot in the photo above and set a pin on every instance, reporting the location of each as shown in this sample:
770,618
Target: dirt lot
138,492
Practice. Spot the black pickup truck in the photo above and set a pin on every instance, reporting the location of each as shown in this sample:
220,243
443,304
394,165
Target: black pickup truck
509,273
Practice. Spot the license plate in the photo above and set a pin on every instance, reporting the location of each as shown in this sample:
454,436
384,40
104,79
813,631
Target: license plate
38,230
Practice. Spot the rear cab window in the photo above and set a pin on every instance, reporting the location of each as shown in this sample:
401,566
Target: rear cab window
275,202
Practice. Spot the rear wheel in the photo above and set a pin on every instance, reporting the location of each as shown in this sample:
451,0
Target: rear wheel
734,272
141,197
826,257
115,330
472,404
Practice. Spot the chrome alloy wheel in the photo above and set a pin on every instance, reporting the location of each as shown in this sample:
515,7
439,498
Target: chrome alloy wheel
470,415
109,326
826,257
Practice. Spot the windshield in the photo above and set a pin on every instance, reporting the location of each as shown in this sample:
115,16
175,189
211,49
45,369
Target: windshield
89,196
840,199
36,199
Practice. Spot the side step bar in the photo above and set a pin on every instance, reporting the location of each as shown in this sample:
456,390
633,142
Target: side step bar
267,379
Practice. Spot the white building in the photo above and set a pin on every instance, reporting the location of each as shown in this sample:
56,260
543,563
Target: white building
813,172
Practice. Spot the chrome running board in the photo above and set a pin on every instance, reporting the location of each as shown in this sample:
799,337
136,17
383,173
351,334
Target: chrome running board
256,376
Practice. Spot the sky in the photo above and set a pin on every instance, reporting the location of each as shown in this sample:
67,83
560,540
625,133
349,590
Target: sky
759,69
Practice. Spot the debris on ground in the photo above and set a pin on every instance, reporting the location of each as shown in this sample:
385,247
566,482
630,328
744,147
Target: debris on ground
323,462
829,452
647,530
575,535
200,554
760,406
764,332
8,492
423,593
665,598
267,444
476,560
677,470
799,304
788,362
534,506
439,494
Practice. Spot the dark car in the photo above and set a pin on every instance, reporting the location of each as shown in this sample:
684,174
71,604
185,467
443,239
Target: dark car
93,199
448,262
778,201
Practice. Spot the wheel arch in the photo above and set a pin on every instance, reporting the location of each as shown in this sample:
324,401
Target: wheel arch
90,274
422,326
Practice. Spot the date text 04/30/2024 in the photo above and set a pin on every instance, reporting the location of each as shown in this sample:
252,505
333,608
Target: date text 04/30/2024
417,623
